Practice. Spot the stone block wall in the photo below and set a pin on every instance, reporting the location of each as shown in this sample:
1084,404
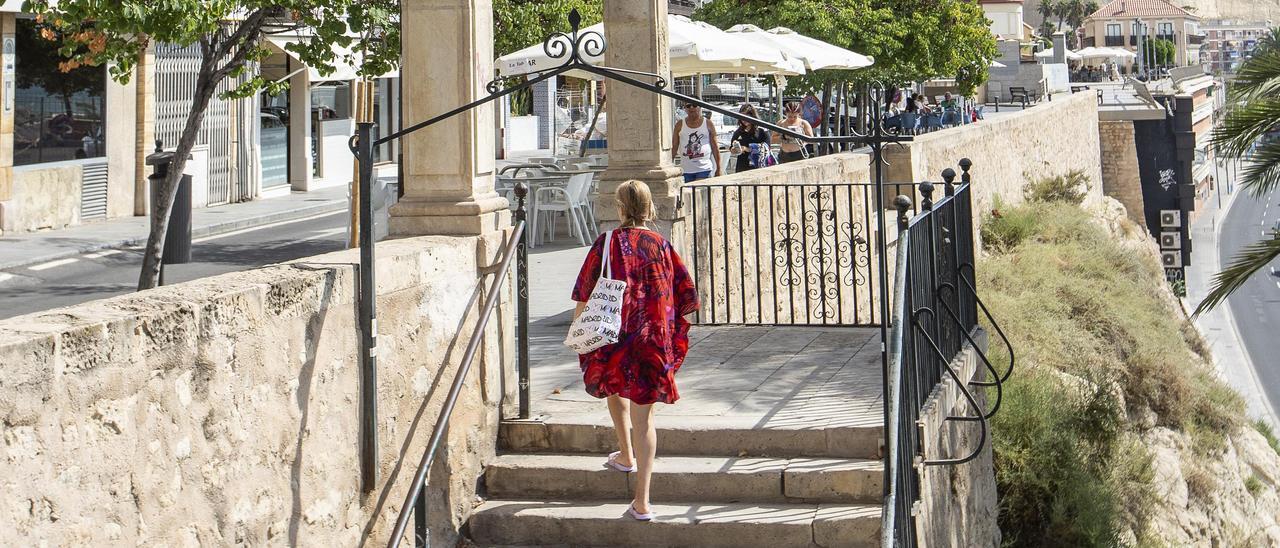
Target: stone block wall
43,197
1120,177
958,503
225,411
1008,150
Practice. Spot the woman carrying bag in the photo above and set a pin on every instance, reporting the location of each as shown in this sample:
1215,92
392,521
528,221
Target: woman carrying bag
638,369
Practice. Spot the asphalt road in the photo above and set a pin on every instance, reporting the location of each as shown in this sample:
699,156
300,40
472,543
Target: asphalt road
1256,305
103,274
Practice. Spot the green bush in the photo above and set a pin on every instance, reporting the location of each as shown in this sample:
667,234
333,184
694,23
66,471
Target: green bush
1097,345
1253,485
1070,188
1265,429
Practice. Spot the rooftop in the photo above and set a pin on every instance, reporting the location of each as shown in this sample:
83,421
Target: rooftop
1140,8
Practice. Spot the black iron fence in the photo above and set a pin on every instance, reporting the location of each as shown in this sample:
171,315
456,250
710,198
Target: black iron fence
934,315
784,254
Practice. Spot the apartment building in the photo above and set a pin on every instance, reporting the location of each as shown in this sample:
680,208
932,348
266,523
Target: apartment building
1228,43
1126,23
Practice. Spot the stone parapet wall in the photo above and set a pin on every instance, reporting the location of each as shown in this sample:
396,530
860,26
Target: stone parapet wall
1008,150
958,503
1120,176
43,197
226,410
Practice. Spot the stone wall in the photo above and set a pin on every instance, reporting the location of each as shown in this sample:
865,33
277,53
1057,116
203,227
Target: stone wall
225,411
1009,149
1120,177
43,197
958,503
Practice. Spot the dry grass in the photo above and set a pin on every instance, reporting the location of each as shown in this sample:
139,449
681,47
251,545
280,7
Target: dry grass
1076,304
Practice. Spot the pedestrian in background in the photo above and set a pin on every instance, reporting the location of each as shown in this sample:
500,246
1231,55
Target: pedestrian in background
639,370
694,140
792,148
747,134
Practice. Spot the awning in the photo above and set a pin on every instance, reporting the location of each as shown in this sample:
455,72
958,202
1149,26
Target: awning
342,71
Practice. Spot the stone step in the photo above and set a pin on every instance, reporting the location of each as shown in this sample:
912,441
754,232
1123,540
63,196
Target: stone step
709,479
711,436
701,525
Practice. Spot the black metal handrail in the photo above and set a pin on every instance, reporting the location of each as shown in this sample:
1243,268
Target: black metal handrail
935,314
416,499
901,483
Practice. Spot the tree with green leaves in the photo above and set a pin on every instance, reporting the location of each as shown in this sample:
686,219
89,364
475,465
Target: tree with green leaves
911,40
1047,9
1158,52
230,35
518,24
1253,112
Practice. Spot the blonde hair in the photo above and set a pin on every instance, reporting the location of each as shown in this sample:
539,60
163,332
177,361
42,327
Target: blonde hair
635,203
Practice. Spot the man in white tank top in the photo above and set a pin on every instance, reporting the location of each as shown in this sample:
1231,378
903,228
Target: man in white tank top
694,140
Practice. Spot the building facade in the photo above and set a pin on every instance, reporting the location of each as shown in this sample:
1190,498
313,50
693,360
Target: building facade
1228,43
73,143
1129,23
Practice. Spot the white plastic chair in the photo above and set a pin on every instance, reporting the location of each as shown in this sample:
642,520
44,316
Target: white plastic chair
584,205
551,200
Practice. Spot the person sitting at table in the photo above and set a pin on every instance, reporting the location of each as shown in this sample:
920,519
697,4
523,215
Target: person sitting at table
746,135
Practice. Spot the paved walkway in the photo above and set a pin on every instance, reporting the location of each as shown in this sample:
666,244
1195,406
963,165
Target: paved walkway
754,377
1218,325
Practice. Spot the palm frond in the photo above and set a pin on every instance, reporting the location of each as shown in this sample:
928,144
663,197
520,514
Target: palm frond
1261,173
1251,259
1244,124
1257,77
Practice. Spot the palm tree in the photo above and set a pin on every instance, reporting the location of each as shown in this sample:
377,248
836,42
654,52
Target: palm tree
1047,9
1254,111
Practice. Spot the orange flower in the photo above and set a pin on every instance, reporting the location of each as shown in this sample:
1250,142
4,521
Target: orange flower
98,44
48,34
69,65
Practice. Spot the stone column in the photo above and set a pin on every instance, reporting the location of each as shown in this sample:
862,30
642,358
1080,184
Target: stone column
144,130
640,121
448,167
300,152
1059,48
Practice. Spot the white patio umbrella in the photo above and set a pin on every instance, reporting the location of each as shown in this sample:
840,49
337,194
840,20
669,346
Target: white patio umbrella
1105,53
997,64
816,54
695,48
1048,54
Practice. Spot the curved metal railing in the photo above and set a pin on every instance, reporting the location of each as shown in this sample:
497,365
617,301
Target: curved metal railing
934,315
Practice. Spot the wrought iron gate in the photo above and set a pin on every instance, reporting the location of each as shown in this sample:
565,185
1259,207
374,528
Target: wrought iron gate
793,254
230,174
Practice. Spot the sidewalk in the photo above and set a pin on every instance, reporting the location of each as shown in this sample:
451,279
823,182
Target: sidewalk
1218,325
21,249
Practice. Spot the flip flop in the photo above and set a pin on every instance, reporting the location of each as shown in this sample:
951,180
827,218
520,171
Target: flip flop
631,511
613,463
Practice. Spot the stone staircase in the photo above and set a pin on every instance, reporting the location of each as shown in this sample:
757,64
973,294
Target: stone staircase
718,481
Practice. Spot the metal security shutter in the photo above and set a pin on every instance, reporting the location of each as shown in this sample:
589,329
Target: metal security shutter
176,71
93,191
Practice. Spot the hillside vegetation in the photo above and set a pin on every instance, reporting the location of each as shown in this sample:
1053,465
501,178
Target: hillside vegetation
1114,429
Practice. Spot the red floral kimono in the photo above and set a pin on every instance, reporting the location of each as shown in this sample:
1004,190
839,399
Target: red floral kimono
654,338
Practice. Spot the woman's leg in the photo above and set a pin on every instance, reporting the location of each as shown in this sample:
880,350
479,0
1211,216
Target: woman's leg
621,427
645,439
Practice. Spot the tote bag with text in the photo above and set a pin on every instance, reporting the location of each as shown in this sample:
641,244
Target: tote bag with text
601,320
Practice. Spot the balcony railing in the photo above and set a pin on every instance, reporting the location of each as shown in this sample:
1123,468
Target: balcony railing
1113,41
1195,39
